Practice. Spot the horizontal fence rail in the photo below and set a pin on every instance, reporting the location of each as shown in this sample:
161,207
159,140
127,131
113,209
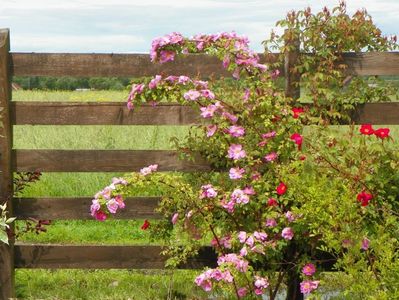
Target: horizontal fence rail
77,208
102,161
114,65
121,257
102,257
138,65
100,113
114,113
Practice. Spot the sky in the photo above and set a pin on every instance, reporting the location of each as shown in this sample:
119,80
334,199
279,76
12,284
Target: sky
129,26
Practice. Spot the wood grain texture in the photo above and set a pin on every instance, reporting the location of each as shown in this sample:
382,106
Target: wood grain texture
138,65
78,208
101,161
6,188
101,257
293,78
377,114
372,63
100,113
78,113
110,65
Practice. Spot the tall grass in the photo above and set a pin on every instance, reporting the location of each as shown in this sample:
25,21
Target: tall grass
98,284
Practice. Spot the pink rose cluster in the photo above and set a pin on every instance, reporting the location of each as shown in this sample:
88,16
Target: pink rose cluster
205,279
256,242
234,260
108,201
196,88
159,51
224,241
307,286
238,196
238,54
260,284
208,191
148,170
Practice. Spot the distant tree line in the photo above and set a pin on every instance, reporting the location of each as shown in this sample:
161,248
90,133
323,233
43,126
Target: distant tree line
71,83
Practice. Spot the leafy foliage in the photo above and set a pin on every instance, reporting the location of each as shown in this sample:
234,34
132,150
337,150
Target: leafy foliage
287,193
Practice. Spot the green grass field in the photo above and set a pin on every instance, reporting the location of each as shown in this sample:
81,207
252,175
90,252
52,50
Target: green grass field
97,284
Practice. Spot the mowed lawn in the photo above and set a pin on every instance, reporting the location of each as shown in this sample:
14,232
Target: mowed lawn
94,284
97,284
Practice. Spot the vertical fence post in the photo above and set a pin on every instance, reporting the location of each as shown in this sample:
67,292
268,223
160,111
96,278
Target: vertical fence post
291,57
6,175
293,90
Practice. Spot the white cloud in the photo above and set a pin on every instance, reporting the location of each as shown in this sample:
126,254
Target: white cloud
130,25
60,43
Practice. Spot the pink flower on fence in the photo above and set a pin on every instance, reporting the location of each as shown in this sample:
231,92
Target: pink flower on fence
249,190
192,95
155,81
208,191
236,131
208,111
365,244
175,217
270,222
271,157
207,94
184,79
211,129
242,292
260,284
236,173
232,118
309,269
268,135
112,206
148,170
287,233
236,152
238,196
238,261
308,286
290,216
224,241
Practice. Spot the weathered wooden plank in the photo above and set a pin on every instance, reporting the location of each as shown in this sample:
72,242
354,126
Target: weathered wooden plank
6,188
100,113
377,113
101,161
138,65
101,257
108,65
78,208
87,113
372,63
292,80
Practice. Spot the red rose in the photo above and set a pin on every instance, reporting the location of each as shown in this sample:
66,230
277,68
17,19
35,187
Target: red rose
281,189
145,225
366,129
297,111
364,198
272,202
297,138
382,133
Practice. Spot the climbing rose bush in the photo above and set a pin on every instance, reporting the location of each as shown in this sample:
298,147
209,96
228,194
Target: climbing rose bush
282,200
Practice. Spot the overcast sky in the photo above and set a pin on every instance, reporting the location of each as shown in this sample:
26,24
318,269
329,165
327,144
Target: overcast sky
122,26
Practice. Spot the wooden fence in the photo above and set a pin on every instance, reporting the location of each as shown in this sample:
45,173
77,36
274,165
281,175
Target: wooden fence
69,113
